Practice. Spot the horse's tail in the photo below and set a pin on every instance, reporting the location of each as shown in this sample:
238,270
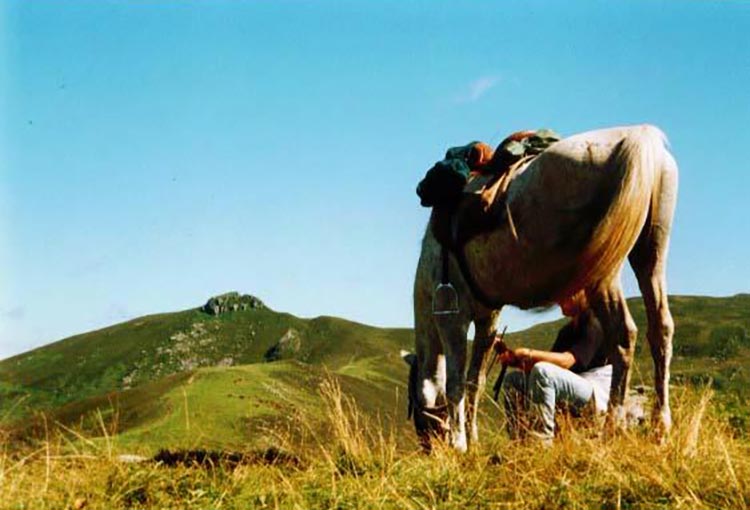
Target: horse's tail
637,161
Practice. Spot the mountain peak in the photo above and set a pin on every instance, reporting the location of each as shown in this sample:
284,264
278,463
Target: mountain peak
232,302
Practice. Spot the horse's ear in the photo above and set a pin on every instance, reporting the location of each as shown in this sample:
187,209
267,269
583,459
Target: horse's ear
409,357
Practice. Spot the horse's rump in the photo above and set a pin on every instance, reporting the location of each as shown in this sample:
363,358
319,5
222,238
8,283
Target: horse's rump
572,216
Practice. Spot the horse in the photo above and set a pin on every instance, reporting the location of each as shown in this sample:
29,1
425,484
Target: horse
567,222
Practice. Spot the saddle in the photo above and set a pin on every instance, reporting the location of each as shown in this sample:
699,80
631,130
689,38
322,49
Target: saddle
494,176
467,192
481,202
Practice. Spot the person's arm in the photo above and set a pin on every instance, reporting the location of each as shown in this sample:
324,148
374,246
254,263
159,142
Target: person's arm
524,358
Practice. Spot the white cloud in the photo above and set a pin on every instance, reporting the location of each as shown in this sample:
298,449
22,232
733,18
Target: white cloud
15,313
478,88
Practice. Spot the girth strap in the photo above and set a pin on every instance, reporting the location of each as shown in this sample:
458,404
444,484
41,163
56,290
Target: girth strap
476,292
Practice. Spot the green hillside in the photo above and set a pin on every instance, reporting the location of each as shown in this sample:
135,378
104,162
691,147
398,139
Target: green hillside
231,380
238,408
150,348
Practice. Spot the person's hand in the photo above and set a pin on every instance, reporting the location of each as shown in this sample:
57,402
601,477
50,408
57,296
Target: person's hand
524,358
519,357
508,358
499,346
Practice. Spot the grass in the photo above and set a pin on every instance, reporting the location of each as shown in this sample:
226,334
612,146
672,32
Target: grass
68,411
359,461
220,407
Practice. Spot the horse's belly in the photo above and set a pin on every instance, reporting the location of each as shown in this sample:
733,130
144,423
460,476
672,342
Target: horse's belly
520,278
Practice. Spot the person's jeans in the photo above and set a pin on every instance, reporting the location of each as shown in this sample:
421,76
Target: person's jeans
540,392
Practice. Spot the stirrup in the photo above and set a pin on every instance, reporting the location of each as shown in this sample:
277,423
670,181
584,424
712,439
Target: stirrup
445,300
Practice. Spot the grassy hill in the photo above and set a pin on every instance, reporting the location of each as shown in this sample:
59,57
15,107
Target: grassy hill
162,378
193,379
149,348
237,408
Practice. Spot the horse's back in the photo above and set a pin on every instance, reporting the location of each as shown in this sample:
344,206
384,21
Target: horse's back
574,167
566,205
568,189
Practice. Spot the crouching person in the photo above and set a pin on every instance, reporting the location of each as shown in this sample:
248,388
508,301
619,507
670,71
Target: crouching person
575,374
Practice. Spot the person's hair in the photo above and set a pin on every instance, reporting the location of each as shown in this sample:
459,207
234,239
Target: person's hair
575,304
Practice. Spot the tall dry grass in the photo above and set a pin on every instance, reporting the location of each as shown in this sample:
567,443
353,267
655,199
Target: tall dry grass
356,462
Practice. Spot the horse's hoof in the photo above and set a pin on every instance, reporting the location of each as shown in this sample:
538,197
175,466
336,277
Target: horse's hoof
459,444
661,424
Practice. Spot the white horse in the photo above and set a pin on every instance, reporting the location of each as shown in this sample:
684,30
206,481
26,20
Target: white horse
569,220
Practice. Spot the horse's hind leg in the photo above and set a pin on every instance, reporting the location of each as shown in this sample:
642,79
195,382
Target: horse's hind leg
659,334
620,333
649,261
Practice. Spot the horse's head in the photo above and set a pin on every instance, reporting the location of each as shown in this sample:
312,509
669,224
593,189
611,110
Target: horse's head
429,423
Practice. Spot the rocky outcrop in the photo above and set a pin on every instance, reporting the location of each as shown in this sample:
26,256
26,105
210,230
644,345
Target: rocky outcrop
232,302
288,346
185,350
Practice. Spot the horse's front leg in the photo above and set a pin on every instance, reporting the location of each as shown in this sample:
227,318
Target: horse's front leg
453,331
426,384
484,333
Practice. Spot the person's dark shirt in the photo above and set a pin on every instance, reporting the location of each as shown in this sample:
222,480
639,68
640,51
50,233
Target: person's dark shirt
585,340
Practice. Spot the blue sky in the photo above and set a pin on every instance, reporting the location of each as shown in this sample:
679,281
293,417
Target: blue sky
156,153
